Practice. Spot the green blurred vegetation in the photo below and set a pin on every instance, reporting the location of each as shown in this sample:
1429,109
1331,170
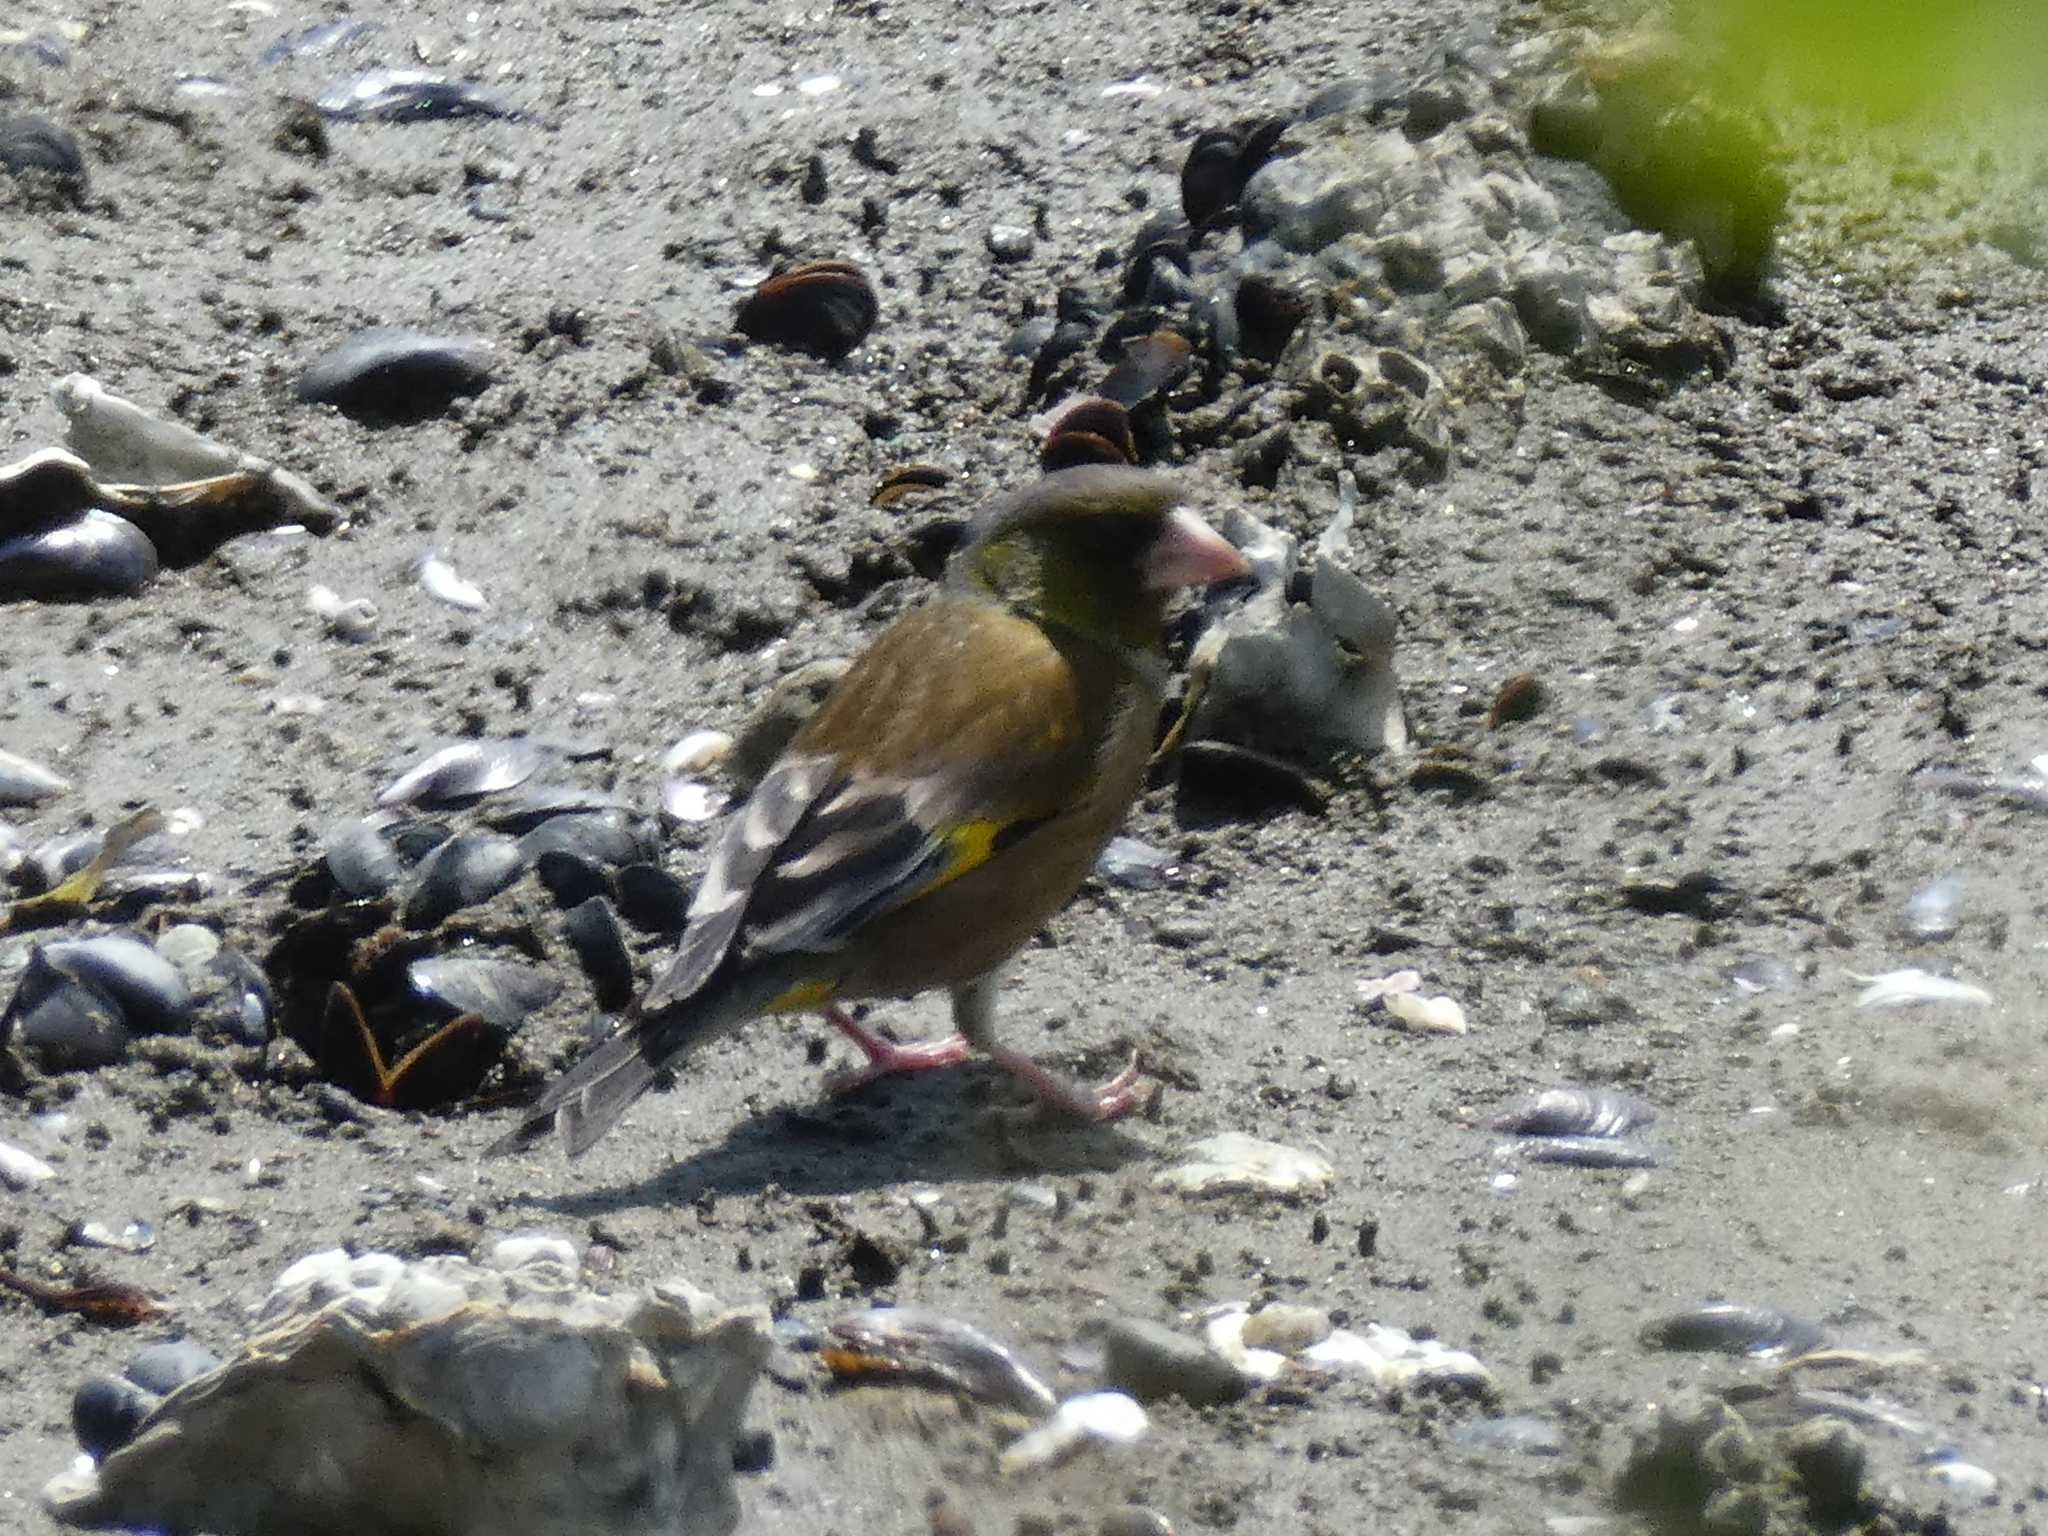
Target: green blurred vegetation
1912,134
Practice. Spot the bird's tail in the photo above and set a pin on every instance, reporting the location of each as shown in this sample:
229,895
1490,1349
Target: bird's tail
584,1102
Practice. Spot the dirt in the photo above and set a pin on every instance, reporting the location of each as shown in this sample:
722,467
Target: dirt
1762,609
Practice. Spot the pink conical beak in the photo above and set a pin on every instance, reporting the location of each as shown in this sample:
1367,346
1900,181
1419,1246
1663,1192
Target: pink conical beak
1189,553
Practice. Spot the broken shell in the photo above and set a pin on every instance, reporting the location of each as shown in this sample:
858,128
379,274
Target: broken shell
20,1169
502,993
1090,431
443,584
410,96
825,308
698,752
348,618
25,783
1426,1015
455,775
1100,1418
1151,365
514,1402
1576,1112
96,555
1895,989
1234,1163
600,945
388,373
466,871
911,482
1393,1358
1731,1328
919,1342
691,800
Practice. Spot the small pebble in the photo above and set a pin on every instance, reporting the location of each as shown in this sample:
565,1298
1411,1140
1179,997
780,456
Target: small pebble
1151,1361
1009,242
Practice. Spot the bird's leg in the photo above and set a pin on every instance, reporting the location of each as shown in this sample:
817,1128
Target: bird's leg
885,1057
974,1011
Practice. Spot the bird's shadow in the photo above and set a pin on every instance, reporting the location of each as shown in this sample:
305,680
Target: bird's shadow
929,1128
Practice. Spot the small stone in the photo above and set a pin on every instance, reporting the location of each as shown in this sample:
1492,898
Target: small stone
1151,1361
1287,1328
1010,242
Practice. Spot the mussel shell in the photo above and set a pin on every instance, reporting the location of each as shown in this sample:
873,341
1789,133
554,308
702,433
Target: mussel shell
48,487
1268,313
145,987
1576,1112
652,899
1210,180
466,871
391,374
1731,1328
106,1412
410,96
532,805
95,555
600,945
239,1003
503,993
606,838
1157,270
909,481
570,878
460,773
163,1368
825,308
1062,355
361,860
1151,365
1092,431
66,1026
25,783
37,144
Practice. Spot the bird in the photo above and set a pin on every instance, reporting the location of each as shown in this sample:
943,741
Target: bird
950,795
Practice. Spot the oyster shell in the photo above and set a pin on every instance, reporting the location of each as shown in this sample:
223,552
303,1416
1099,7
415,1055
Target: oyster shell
447,1396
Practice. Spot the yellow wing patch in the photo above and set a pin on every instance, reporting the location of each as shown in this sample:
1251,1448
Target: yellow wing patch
804,997
968,846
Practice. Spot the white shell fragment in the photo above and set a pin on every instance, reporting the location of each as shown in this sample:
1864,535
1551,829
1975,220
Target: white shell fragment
1236,1164
1894,989
440,1395
21,1170
1393,1358
24,783
691,800
1372,989
122,441
698,752
1426,1015
444,584
1094,1418
348,618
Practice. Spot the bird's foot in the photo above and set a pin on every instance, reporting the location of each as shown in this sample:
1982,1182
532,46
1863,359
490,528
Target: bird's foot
1094,1105
885,1057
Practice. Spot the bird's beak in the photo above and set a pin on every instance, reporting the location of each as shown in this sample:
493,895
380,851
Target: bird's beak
1189,553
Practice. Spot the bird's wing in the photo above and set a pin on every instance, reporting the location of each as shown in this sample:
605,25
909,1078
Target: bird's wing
961,728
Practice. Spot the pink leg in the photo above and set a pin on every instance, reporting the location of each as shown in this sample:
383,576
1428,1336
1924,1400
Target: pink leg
1112,1101
885,1057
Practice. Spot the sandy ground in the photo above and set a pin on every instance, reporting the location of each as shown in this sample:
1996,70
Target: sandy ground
1762,611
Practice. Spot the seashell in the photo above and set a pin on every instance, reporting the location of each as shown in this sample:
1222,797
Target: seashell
1394,1359
691,800
1234,1163
1153,1362
22,1170
395,1066
1135,865
361,860
1058,361
1584,1152
466,871
64,1025
1521,1434
1731,1328
145,987
445,585
1895,989
307,42
391,374
825,308
1438,1015
911,482
503,993
469,769
348,618
600,944
1224,1333
698,752
1220,162
240,1005
25,783
652,899
1092,431
1151,366
916,1342
163,1368
98,554
570,877
37,144
106,1412
1267,313
1094,1418
514,1401
1576,1112
1934,911
1156,273
409,96
1239,776
531,805
188,946
606,838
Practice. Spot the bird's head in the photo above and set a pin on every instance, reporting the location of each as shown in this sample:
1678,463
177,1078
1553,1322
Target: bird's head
1097,549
